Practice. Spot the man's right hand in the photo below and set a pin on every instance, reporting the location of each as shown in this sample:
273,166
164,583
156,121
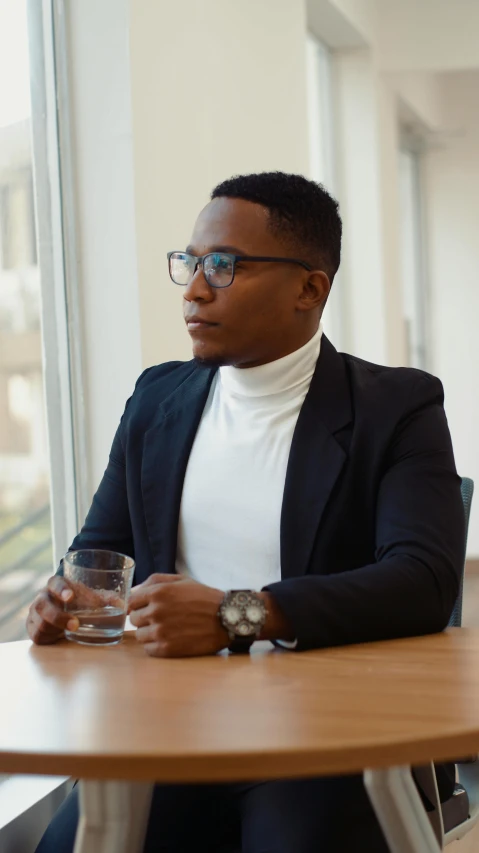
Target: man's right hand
47,618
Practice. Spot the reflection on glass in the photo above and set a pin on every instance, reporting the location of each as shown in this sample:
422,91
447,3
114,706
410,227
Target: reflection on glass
25,535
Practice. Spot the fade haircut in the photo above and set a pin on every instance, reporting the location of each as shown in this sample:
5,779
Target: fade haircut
300,211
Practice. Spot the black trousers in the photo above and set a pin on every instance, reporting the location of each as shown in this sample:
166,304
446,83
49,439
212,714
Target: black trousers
302,816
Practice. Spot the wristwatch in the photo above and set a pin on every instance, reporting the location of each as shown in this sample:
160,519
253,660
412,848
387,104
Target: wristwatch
242,614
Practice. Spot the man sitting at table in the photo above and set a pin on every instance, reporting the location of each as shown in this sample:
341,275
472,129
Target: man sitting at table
321,484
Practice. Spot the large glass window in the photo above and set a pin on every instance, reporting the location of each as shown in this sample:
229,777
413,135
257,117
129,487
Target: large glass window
25,530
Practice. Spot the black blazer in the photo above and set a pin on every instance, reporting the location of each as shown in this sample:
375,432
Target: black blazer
372,524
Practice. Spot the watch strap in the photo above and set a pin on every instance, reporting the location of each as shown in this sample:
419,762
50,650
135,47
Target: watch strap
241,645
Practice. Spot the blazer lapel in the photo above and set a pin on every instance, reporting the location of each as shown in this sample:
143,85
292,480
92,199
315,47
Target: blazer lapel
166,449
315,461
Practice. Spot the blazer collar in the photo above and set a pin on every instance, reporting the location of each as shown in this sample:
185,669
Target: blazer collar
329,392
316,460
166,449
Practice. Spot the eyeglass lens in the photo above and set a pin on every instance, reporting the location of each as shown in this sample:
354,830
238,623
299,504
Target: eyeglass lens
217,268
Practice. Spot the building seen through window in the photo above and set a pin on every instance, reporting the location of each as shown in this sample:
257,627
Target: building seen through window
25,533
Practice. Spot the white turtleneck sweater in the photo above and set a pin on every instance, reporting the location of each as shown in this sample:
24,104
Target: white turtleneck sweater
229,525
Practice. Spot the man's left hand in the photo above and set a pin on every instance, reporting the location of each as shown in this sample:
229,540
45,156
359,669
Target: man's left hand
177,617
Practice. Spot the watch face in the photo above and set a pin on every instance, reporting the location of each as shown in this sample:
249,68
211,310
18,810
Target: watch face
231,614
244,629
254,613
242,613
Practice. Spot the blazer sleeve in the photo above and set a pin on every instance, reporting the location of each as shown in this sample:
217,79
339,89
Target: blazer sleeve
108,524
411,587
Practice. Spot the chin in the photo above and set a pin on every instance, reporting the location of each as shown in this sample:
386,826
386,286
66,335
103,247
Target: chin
211,360
210,357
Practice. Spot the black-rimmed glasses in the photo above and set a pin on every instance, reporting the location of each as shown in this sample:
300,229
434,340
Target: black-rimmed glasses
218,267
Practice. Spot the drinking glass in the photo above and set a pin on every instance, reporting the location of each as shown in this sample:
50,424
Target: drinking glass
101,583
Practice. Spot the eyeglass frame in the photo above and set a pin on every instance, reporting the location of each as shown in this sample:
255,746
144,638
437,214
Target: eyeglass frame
234,258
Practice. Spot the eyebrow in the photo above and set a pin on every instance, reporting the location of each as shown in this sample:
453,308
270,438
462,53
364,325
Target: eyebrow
232,250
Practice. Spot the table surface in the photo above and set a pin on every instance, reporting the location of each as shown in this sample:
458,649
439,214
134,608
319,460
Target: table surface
115,713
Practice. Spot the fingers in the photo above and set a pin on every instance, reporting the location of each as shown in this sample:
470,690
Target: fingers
145,592
159,650
60,589
41,632
47,618
143,616
139,599
149,634
84,597
142,598
155,641
53,613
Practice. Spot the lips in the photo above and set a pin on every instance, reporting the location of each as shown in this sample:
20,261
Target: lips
199,323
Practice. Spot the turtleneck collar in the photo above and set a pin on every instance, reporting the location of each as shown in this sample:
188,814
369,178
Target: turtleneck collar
275,377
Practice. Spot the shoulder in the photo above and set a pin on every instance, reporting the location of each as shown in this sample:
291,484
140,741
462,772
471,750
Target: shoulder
392,402
400,385
164,377
154,385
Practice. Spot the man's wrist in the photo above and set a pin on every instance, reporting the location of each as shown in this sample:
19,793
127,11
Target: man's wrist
222,633
276,626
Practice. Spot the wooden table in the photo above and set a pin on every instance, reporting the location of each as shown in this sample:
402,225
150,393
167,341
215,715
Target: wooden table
104,714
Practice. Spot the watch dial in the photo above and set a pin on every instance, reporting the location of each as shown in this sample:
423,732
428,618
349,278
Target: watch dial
232,614
254,613
244,628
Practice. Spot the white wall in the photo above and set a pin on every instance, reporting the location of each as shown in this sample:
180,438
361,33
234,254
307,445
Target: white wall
419,92
328,21
452,171
427,35
218,88
362,15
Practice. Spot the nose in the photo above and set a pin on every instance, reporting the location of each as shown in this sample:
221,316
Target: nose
198,290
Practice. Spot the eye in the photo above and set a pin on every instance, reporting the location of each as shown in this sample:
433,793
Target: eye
221,262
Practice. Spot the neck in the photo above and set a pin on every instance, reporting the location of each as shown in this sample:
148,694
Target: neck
280,375
285,350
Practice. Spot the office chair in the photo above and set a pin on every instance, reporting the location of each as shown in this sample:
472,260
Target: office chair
455,817
461,812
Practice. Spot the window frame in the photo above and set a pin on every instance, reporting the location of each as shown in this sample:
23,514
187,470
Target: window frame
417,332
58,262
323,166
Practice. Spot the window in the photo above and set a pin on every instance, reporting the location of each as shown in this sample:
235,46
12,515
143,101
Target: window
413,272
320,101
322,165
17,216
33,458
25,536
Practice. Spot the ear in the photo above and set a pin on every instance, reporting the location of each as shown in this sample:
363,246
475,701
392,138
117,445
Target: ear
315,291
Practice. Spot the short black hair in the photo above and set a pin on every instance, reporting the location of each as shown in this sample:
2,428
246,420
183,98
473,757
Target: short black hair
300,210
